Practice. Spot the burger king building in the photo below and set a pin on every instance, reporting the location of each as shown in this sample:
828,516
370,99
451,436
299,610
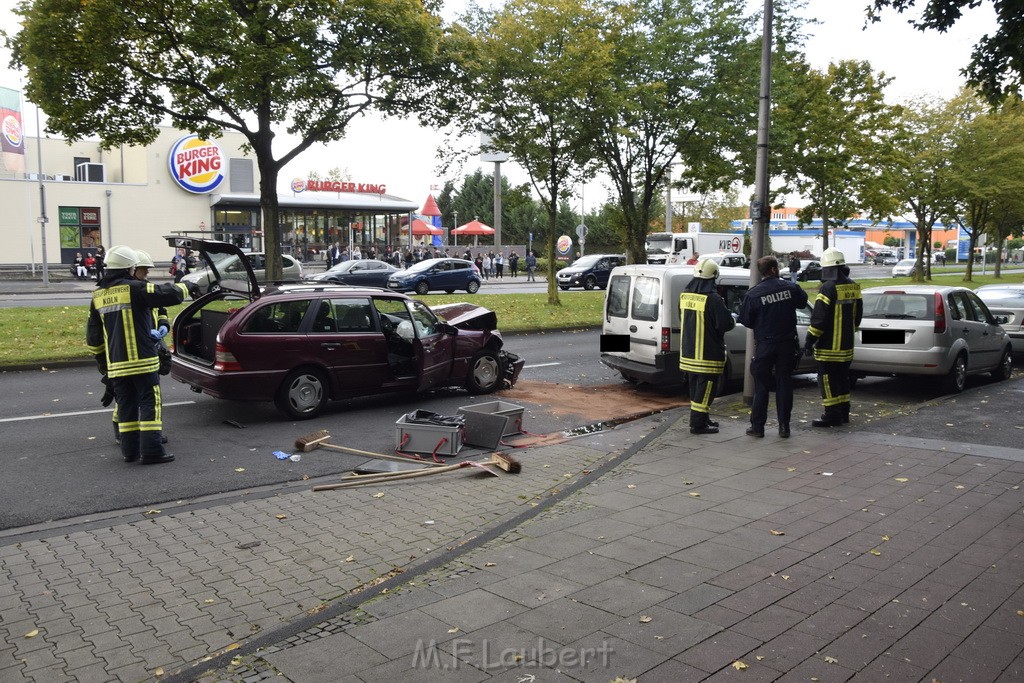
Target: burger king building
179,184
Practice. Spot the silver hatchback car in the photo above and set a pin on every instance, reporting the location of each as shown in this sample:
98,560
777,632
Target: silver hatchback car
945,332
1007,300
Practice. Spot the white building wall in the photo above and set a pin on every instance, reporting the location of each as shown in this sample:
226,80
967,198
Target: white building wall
137,212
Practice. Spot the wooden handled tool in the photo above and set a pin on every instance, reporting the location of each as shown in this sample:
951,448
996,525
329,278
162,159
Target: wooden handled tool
320,439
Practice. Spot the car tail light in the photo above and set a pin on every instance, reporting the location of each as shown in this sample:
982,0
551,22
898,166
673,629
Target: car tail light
666,339
225,361
940,314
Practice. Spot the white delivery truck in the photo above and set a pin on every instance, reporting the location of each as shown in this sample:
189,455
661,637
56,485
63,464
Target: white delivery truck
640,331
675,248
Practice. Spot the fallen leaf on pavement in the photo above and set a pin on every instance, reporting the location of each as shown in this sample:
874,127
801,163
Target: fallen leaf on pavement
239,469
695,494
159,671
33,633
350,558
885,538
280,516
739,666
490,564
831,660
645,619
902,480
378,495
630,486
454,629
791,469
773,532
875,551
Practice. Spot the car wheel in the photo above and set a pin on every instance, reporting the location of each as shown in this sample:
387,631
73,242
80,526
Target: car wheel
1005,367
957,377
422,287
303,394
473,287
590,283
485,372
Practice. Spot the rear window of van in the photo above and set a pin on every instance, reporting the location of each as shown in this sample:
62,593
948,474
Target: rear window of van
646,298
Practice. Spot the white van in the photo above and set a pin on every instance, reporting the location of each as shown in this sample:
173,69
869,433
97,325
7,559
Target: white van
640,331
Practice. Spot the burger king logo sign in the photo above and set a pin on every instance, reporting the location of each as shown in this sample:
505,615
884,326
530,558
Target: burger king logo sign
196,165
12,130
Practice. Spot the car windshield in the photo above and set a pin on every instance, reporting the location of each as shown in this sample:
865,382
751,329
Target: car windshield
342,267
906,262
1004,297
585,262
898,305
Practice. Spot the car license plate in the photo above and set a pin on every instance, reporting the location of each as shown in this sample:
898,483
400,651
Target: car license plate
614,343
882,337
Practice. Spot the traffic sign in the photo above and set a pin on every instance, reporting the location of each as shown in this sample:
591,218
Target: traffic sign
736,245
581,231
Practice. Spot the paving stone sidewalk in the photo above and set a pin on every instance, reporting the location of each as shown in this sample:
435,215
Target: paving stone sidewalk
137,594
831,556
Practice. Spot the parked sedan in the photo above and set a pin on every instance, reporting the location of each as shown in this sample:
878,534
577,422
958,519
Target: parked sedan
446,274
589,272
360,273
808,271
1007,301
904,268
236,266
944,332
305,344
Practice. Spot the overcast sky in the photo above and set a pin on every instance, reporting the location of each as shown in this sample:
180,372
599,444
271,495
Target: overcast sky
403,156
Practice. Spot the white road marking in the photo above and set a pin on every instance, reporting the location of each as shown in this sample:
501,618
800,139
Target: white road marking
539,365
81,412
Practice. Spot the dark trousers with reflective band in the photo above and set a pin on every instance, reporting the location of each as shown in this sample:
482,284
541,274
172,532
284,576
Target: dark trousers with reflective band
834,382
702,394
772,368
139,415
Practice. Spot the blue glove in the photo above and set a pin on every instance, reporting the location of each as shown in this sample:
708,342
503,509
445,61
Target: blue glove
157,335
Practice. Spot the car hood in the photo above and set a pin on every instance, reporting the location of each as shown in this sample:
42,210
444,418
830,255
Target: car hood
466,316
206,247
570,270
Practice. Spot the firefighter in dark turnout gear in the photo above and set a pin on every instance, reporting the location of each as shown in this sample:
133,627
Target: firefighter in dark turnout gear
704,319
838,309
769,309
118,335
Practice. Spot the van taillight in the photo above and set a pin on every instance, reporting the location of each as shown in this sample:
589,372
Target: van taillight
225,361
940,314
666,339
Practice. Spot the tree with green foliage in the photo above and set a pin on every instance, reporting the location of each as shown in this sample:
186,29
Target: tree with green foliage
923,148
842,147
533,73
678,90
119,70
997,62
986,177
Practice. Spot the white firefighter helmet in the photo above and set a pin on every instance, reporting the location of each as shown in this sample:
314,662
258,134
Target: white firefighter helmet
832,257
706,269
121,257
145,260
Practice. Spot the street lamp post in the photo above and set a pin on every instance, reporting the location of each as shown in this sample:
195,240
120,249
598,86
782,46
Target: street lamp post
760,212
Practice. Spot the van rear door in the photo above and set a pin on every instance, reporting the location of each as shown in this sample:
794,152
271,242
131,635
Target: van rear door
632,308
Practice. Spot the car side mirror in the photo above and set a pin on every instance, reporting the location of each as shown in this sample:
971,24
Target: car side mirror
1002,319
448,329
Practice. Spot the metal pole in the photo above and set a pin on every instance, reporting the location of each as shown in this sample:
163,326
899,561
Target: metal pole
668,201
110,222
497,204
763,211
43,220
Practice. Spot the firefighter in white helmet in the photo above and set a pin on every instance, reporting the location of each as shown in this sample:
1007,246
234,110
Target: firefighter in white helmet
704,319
838,309
118,334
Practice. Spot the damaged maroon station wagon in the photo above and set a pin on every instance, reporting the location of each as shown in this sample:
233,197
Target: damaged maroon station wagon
302,345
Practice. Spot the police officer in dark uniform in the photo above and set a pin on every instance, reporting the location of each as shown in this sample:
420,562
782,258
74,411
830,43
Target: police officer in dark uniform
838,309
769,309
704,319
118,334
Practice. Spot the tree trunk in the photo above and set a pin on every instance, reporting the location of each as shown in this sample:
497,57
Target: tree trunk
552,206
824,227
269,169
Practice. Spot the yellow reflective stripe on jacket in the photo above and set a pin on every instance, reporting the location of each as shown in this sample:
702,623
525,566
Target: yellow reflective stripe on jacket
706,367
695,304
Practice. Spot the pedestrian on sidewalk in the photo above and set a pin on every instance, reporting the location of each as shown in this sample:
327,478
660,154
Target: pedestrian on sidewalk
531,266
769,309
838,309
513,264
704,320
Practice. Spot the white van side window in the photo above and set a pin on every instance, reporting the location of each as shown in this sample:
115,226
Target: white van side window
646,293
618,297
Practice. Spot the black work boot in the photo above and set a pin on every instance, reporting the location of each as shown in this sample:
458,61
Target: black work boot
830,418
699,424
845,412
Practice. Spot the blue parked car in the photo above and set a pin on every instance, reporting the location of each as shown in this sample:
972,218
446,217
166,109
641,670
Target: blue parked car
447,274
